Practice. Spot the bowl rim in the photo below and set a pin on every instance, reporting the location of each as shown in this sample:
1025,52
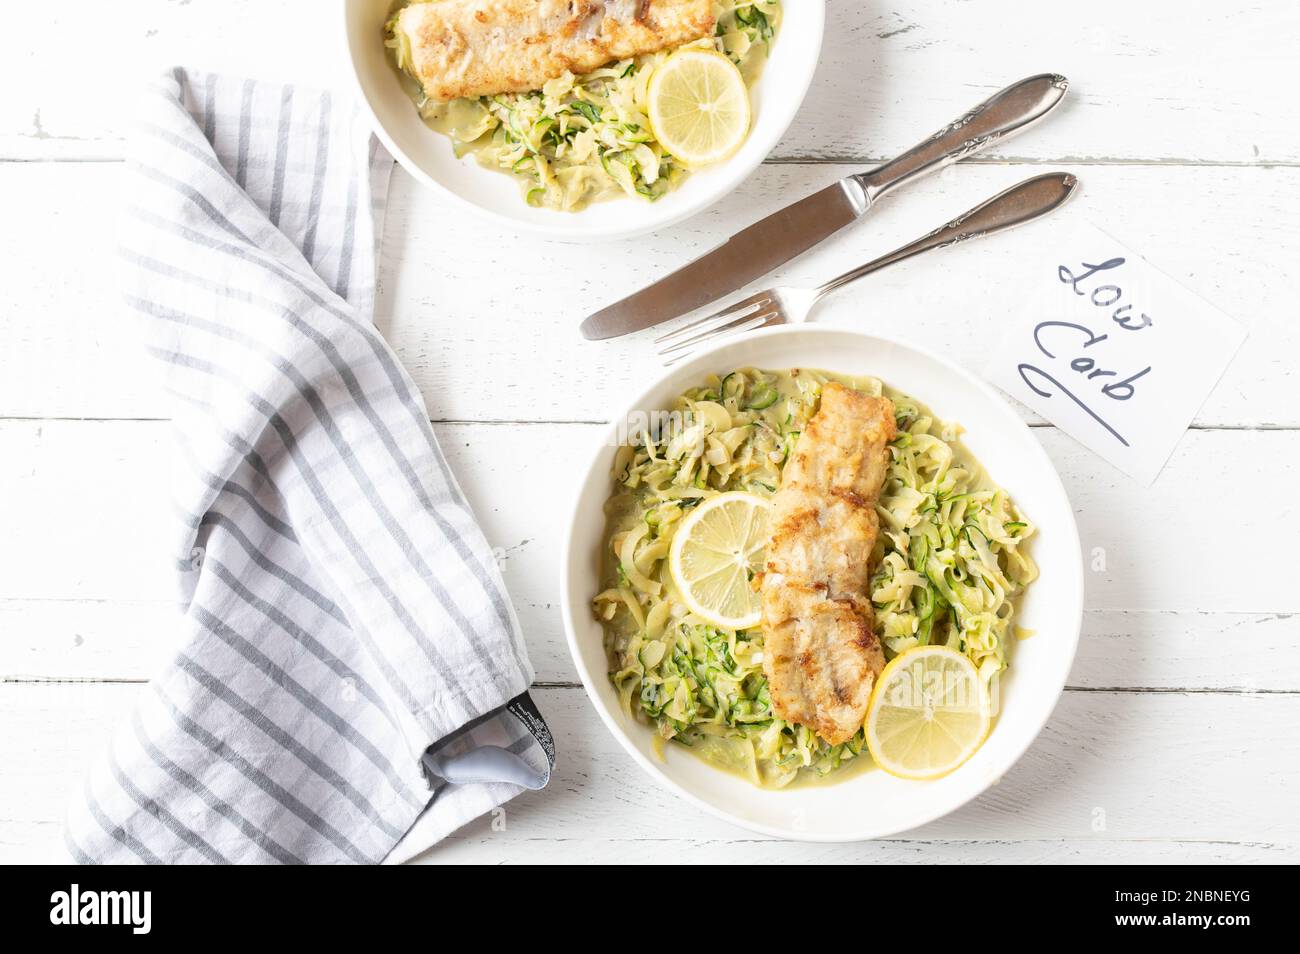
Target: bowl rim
736,171
978,782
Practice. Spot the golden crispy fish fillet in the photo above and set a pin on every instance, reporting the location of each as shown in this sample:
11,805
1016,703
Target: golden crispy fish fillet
821,655
482,47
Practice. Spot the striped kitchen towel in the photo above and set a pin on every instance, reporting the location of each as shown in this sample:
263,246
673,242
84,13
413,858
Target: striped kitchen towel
348,682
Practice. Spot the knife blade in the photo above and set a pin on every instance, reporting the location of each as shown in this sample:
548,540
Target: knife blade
782,236
746,256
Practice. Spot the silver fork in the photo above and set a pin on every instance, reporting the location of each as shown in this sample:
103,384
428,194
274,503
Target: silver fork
787,305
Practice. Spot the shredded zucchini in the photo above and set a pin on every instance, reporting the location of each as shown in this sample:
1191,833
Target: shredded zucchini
950,563
584,138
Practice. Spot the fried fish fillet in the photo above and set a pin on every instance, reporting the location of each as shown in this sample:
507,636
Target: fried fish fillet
482,47
821,655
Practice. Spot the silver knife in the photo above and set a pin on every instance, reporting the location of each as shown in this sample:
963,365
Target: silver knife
775,240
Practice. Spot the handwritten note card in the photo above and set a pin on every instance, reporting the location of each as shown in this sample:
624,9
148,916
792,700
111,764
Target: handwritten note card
1113,351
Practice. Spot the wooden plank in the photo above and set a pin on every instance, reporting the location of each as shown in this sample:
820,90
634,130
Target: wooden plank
479,844
96,640
1114,777
111,640
1137,765
51,734
75,533
1151,82
1175,650
487,323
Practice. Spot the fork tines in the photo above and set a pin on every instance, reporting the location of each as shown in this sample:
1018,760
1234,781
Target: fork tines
745,315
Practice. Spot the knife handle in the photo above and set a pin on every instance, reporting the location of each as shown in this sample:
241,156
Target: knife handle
1003,114
1022,203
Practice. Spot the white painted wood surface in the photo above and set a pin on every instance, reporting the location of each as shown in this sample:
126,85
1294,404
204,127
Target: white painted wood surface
1178,738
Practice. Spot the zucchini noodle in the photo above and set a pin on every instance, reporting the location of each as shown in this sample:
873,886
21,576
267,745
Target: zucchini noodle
583,138
950,563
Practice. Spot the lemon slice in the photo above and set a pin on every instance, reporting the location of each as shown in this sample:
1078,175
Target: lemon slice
929,712
699,106
715,553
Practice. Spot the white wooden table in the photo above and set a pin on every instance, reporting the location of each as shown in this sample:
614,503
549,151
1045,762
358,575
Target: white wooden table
1177,738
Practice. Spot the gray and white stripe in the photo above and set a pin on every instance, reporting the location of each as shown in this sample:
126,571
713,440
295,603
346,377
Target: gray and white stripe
343,610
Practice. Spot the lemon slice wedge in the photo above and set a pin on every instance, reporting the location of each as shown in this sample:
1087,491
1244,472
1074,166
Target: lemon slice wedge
714,555
699,106
928,714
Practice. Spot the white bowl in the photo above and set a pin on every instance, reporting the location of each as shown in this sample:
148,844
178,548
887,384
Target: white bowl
428,157
868,804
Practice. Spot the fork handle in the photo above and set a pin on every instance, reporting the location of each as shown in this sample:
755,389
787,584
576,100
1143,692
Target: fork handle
1021,203
1007,112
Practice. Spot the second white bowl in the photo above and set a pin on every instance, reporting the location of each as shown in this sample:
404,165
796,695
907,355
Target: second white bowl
428,156
869,804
